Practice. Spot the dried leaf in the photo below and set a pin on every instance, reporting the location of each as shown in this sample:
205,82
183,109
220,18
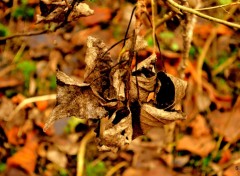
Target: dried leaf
226,124
143,79
26,157
81,10
117,131
75,99
56,16
200,146
140,44
98,67
153,117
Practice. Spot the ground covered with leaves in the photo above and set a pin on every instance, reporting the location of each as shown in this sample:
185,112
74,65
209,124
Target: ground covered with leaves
71,104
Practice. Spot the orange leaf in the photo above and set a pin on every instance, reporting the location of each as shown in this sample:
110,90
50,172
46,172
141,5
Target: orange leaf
226,156
27,156
42,105
13,137
200,146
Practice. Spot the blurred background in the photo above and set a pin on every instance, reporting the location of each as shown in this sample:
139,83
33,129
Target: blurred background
206,143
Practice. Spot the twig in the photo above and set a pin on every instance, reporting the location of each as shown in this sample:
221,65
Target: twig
81,152
153,25
23,34
187,25
219,6
228,62
190,10
116,168
30,100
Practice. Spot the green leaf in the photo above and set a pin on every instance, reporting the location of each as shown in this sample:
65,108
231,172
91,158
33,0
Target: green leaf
27,68
174,46
53,82
3,167
3,30
223,2
96,170
167,35
24,11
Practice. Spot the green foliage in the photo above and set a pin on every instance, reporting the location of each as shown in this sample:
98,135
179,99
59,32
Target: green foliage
192,51
96,170
63,172
150,41
27,68
3,30
223,2
167,35
23,11
174,46
3,167
53,82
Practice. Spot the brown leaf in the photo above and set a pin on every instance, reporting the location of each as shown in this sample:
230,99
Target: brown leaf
75,99
200,146
199,127
81,10
226,124
101,15
153,117
117,131
145,78
98,67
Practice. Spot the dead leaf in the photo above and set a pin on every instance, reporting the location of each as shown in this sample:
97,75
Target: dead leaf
199,146
75,99
26,157
101,15
199,127
9,82
13,137
153,117
232,170
226,124
80,10
117,130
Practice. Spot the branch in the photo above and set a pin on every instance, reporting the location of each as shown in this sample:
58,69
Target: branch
219,6
2,39
195,12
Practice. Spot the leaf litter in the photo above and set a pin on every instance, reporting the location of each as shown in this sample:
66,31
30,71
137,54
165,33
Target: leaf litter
188,150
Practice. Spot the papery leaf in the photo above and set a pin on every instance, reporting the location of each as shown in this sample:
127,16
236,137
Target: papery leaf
153,117
81,10
98,66
75,99
117,130
143,79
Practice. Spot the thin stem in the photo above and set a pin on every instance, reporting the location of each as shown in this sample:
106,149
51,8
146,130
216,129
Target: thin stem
23,35
219,6
190,10
82,151
153,25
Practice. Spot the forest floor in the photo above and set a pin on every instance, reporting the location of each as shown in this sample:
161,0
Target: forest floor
206,143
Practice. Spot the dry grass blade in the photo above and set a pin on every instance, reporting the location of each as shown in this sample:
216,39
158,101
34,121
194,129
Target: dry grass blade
31,100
